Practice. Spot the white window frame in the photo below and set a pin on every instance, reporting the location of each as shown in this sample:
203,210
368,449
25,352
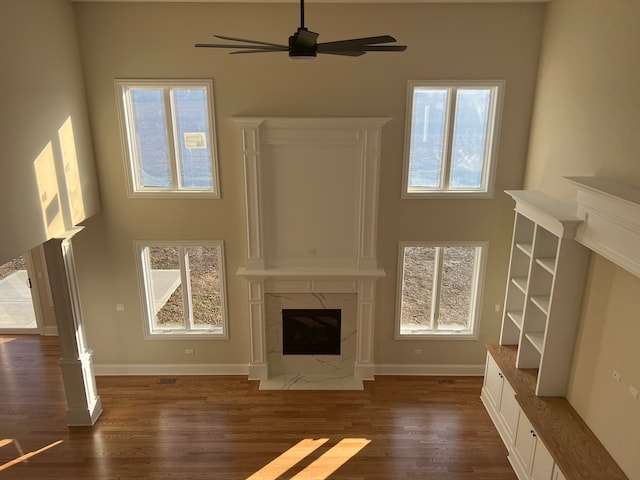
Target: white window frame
428,333
491,148
144,278
134,187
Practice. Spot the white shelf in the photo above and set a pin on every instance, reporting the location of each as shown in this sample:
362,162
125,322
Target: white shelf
549,264
521,283
558,217
542,302
516,317
536,339
525,247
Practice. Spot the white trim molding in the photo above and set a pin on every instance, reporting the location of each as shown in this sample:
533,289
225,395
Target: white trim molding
431,370
611,220
170,369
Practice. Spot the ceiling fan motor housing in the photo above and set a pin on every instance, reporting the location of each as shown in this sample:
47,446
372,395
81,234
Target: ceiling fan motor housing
303,43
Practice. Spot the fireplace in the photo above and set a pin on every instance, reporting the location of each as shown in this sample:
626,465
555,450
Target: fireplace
311,331
310,247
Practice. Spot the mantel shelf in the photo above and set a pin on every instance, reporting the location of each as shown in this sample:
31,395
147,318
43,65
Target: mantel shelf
310,273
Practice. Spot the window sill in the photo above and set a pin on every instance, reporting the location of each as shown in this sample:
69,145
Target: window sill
446,194
173,194
429,335
215,334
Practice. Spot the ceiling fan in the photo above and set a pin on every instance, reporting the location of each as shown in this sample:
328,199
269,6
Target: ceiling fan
303,44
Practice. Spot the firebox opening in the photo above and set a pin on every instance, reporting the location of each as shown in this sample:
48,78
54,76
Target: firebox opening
311,331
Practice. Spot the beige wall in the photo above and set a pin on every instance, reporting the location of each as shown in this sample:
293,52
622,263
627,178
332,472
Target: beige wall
120,40
586,123
46,160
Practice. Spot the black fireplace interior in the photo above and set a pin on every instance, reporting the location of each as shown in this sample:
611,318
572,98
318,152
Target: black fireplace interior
311,331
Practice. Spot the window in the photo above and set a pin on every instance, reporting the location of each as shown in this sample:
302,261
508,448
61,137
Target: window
183,287
169,137
451,138
439,289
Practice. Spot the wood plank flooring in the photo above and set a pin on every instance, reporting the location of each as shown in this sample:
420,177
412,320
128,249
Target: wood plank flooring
203,427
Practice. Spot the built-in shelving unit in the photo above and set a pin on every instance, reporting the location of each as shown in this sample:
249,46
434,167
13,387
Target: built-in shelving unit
544,288
526,375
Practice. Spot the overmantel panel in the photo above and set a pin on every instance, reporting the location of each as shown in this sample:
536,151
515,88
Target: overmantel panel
311,187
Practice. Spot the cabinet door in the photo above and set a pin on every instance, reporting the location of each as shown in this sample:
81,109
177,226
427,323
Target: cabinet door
509,411
542,463
493,380
523,447
557,474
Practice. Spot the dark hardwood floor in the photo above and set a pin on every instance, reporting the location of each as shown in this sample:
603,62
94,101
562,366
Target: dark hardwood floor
225,428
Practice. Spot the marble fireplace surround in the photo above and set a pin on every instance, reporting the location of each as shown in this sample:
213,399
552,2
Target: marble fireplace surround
311,204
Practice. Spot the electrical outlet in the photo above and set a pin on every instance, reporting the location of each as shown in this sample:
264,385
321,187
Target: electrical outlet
616,376
189,351
496,308
119,307
418,351
633,391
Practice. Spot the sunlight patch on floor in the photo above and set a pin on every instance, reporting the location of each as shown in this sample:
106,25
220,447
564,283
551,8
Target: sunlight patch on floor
288,459
319,469
23,457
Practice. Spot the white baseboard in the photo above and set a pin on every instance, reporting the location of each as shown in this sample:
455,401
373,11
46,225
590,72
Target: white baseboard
243,369
50,331
364,372
178,369
431,370
258,372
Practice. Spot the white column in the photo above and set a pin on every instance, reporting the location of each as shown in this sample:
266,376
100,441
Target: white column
83,403
364,367
258,368
253,192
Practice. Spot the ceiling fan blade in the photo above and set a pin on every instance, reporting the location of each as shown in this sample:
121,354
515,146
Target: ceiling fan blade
356,42
256,42
384,48
263,50
276,48
346,53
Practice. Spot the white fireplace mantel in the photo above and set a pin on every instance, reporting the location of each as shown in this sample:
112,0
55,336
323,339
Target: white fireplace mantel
311,204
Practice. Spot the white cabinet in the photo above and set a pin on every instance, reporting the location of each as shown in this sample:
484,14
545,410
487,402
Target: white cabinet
542,465
499,399
522,451
529,457
540,433
558,475
544,288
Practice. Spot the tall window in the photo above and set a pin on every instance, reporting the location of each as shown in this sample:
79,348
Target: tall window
183,288
439,289
169,137
451,138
